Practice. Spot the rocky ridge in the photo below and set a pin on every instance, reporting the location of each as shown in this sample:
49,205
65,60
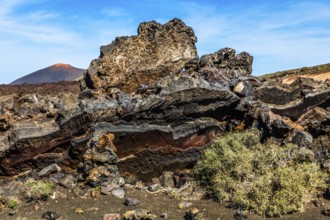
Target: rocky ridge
150,104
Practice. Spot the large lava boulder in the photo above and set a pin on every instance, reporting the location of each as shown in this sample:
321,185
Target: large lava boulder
157,51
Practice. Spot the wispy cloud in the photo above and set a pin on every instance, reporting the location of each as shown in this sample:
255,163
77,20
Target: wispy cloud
34,26
37,38
285,37
8,5
114,12
39,15
37,33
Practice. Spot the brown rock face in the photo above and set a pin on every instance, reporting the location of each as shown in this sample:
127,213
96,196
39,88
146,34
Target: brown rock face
150,105
157,51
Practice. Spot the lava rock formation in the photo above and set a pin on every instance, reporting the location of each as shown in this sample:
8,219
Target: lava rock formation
149,104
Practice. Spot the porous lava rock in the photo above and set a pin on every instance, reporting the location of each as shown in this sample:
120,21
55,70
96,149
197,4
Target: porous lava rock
157,51
149,104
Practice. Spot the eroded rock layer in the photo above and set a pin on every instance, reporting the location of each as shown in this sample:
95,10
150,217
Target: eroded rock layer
148,104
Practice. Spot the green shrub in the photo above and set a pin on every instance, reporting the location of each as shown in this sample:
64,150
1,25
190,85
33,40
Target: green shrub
268,179
37,189
13,203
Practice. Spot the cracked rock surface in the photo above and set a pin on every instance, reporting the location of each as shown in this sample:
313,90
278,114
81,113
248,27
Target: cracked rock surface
150,104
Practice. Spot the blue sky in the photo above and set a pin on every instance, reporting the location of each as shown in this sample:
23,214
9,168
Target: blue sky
279,34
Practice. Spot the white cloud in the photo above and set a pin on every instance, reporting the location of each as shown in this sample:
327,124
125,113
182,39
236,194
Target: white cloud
114,12
37,39
287,38
33,26
8,5
38,33
40,15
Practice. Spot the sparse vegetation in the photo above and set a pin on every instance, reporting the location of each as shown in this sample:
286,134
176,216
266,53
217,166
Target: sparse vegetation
9,202
268,179
13,203
38,189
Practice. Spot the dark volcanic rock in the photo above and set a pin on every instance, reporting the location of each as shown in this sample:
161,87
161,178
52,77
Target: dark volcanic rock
157,51
131,202
50,215
228,63
149,104
294,99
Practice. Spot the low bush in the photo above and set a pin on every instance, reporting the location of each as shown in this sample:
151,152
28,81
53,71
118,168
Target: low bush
37,189
268,179
13,203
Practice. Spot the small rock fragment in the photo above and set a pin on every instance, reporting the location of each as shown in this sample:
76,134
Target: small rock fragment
139,185
128,186
49,169
154,187
166,179
181,177
317,203
195,211
12,212
50,215
239,88
326,211
184,205
240,215
79,211
131,202
119,193
68,181
305,154
107,188
164,215
119,181
62,195
113,216
93,209
95,193
191,214
245,88
139,214
155,181
56,177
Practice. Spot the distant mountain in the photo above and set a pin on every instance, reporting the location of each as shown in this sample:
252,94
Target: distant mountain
54,73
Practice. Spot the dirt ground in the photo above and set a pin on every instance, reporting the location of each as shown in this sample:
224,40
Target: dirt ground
95,208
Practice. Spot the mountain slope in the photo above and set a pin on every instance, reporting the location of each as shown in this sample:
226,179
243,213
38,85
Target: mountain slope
54,73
